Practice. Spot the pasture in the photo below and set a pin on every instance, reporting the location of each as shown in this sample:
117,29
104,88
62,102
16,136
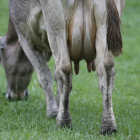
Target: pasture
26,119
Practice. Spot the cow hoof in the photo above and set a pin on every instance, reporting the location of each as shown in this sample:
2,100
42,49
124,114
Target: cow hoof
108,131
8,96
27,93
64,123
52,114
108,125
52,111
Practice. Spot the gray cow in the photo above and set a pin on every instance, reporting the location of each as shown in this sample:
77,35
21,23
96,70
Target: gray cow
18,69
72,30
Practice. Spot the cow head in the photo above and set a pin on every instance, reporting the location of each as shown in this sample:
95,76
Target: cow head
18,70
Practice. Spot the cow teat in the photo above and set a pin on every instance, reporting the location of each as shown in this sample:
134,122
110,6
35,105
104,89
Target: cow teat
82,34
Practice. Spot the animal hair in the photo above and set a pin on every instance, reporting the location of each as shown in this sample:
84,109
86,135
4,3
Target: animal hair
114,39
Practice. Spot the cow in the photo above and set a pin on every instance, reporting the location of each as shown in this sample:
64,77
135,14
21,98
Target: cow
18,69
72,30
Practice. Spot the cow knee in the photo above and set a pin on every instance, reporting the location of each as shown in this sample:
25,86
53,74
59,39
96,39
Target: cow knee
45,81
61,70
61,74
108,62
66,67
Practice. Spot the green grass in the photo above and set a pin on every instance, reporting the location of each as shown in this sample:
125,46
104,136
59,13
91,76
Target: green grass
26,120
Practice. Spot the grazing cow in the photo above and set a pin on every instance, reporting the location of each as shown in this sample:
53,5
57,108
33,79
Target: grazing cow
18,69
72,30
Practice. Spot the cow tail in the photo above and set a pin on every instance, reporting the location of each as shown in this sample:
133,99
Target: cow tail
114,39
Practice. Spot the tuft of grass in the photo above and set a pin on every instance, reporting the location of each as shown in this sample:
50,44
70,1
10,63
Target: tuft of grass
26,119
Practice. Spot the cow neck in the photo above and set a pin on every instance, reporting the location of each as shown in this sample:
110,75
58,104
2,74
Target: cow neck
11,33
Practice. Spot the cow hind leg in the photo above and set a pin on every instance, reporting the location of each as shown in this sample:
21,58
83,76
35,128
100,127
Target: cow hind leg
105,68
58,94
54,19
106,75
64,88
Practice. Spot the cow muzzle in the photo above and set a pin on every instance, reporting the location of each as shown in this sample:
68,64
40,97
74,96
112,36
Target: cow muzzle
14,96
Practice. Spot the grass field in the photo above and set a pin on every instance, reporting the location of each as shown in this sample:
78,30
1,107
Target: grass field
26,120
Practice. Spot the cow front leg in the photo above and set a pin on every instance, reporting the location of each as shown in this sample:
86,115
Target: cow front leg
106,75
44,75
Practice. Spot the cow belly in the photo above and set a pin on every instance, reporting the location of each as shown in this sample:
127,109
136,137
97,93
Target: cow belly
82,31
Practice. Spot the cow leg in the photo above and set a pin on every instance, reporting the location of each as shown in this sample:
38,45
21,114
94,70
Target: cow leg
106,75
104,67
64,88
64,84
55,23
58,94
38,61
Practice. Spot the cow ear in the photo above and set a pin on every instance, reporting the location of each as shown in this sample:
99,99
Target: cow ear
2,44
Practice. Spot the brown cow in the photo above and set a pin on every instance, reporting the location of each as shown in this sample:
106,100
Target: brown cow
18,69
72,30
